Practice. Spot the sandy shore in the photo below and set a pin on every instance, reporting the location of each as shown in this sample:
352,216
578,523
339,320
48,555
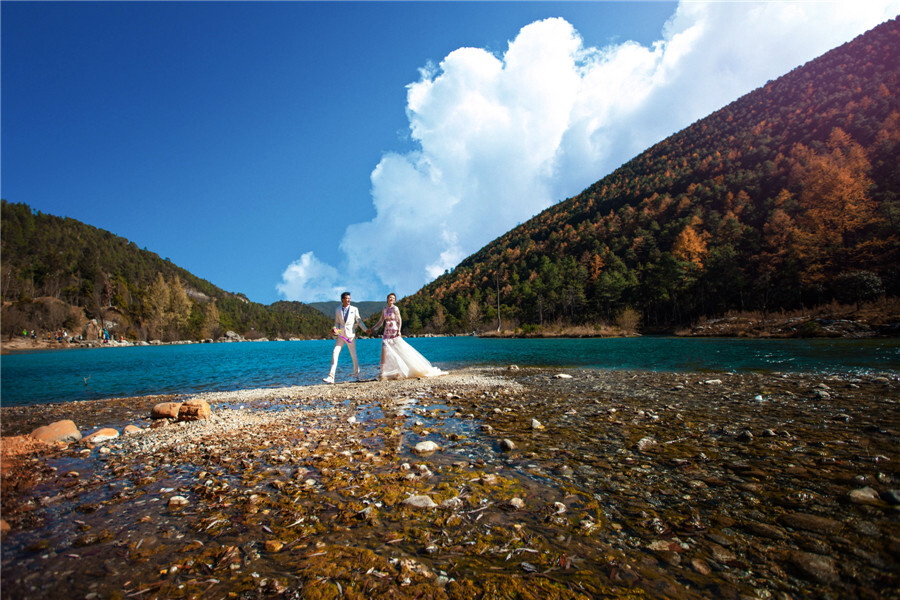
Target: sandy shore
601,484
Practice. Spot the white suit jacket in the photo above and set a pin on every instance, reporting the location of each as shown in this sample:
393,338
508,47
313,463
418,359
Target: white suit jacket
353,320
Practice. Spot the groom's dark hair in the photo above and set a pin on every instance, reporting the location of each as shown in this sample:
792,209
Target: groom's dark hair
344,294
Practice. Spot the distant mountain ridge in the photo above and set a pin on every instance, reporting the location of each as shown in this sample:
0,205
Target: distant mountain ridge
92,274
366,308
785,198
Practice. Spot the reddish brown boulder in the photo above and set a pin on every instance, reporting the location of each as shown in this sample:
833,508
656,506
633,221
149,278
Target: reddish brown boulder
129,429
15,448
61,431
194,410
165,410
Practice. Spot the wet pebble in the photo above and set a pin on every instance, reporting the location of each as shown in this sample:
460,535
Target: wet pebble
178,502
809,522
816,567
865,495
419,501
645,444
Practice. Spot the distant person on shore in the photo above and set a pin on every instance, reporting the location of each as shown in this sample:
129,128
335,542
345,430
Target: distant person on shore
346,320
399,360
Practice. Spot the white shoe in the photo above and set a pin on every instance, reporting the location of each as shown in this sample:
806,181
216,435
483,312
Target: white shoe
329,379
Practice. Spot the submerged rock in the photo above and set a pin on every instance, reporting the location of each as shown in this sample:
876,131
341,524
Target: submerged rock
892,497
816,567
809,522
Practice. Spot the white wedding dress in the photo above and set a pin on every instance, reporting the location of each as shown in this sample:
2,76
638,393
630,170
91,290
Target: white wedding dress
399,360
402,361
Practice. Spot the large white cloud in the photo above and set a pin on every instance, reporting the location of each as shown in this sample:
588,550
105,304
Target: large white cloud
500,138
310,280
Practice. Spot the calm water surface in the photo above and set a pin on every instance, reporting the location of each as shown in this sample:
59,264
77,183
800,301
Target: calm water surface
80,374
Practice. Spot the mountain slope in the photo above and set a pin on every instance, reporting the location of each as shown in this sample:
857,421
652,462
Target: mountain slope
787,197
137,293
367,308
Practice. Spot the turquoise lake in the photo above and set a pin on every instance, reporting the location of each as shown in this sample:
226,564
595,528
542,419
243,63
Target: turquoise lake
82,374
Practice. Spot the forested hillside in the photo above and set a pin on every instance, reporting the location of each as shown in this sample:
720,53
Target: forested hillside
58,272
367,308
786,198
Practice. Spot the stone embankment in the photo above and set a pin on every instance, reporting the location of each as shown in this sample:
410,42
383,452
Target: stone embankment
508,483
806,326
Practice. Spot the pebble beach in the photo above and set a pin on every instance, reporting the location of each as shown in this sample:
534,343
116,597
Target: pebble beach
482,483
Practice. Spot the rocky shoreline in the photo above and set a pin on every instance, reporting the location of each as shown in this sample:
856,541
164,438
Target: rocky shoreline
520,483
25,344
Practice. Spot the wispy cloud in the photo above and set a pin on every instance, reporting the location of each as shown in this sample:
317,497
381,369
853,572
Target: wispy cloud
501,138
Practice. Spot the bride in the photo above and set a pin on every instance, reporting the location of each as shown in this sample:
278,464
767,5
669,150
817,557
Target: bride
398,359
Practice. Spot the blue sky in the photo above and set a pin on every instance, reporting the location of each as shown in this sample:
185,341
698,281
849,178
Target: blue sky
291,150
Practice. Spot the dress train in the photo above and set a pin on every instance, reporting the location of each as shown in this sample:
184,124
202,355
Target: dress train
402,361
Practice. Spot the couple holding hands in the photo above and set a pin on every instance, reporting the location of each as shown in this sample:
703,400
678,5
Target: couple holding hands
399,360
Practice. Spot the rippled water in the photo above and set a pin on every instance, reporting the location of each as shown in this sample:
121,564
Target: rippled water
79,374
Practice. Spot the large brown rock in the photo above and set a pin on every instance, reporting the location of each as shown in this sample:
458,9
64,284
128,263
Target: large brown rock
61,431
194,410
165,410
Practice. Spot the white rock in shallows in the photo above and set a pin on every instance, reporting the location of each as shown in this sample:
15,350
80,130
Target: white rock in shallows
426,447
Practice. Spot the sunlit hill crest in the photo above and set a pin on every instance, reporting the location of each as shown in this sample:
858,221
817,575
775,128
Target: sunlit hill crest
786,198
59,273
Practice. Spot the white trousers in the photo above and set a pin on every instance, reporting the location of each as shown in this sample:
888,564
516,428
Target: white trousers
338,346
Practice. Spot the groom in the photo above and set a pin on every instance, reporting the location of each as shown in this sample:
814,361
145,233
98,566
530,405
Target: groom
346,320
